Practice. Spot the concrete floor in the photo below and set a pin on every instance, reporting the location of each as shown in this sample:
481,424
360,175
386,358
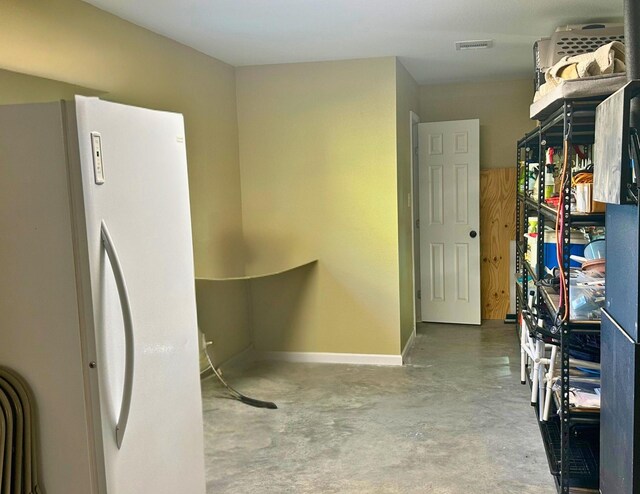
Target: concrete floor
454,420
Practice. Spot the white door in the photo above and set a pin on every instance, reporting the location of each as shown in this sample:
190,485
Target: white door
144,204
449,221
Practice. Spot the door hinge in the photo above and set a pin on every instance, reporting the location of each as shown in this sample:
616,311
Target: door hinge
418,223
419,294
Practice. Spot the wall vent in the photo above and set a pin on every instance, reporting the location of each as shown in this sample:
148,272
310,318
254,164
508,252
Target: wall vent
478,44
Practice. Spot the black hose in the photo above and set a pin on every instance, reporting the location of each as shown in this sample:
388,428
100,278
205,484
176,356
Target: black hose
236,394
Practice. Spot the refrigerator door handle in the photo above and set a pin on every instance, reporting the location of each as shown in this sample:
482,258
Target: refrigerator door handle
123,294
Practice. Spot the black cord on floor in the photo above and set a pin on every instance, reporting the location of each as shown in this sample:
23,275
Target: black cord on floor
236,394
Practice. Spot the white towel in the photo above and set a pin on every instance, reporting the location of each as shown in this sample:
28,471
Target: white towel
608,59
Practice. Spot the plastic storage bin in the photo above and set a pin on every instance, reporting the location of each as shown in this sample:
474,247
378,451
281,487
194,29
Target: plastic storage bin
586,301
578,243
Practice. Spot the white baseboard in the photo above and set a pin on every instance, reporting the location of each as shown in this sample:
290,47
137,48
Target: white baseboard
407,348
334,358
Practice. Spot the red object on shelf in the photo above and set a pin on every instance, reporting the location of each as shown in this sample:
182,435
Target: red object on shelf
553,202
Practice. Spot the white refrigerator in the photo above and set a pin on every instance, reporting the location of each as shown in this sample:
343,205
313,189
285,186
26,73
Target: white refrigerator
97,301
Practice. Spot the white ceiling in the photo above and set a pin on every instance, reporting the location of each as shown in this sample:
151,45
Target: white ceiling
421,32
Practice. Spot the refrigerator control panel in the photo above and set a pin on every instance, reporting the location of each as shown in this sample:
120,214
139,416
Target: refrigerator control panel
96,147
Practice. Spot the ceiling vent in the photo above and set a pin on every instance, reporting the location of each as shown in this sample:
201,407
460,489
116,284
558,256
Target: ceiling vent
478,44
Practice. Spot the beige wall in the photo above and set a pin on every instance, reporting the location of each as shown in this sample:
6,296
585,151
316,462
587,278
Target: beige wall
319,180
323,155
16,88
223,310
502,107
73,42
406,101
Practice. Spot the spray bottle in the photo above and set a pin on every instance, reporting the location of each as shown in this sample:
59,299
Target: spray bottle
549,183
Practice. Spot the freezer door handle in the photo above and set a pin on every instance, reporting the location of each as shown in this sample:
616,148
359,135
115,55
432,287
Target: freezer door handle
123,294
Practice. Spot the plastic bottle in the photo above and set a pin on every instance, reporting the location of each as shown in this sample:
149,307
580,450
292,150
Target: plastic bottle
549,181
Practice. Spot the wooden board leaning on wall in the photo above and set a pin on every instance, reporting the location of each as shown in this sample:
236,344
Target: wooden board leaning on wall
497,229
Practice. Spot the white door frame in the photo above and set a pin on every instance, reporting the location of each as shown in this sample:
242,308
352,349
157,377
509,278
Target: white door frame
414,120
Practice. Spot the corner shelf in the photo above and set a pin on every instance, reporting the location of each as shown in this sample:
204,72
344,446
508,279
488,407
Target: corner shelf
259,275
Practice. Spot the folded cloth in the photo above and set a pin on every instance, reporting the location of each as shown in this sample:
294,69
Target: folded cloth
608,59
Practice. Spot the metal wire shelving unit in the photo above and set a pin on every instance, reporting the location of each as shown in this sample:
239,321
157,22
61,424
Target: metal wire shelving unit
571,439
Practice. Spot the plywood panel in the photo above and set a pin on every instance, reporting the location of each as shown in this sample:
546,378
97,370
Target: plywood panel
497,229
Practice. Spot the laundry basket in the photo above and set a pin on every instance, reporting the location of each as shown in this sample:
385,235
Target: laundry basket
569,41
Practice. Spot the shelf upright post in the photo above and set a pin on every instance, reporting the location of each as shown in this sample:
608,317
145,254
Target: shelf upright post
525,229
524,154
540,254
518,230
565,339
541,264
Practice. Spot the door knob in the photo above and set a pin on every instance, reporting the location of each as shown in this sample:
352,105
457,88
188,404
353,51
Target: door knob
473,234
